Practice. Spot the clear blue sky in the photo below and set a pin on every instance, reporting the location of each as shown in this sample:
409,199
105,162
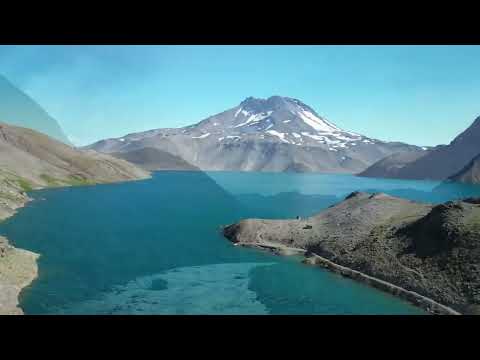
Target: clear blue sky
423,95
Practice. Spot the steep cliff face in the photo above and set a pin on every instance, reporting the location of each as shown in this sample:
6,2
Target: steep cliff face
431,250
18,268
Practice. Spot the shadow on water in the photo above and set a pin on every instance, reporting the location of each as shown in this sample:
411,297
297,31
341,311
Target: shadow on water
285,205
292,204
443,192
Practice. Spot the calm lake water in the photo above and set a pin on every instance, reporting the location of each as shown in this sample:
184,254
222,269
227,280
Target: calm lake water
154,246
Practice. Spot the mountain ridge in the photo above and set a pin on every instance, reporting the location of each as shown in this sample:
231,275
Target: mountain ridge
273,134
390,166
470,174
445,161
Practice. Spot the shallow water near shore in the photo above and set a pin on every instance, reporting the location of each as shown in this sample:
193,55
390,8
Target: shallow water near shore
154,246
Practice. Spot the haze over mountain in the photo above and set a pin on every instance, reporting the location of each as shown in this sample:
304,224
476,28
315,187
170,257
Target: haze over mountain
17,108
274,134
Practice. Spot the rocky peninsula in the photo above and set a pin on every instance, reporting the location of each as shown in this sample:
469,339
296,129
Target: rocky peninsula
426,254
18,268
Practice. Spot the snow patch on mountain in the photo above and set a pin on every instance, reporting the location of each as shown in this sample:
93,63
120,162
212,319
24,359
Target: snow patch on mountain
316,123
255,126
255,118
201,136
281,136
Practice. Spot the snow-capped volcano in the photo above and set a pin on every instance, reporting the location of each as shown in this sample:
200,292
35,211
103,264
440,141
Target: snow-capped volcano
283,113
274,134
279,119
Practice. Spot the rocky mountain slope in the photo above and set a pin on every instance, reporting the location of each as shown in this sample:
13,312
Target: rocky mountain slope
445,161
431,250
470,174
274,134
390,166
152,159
31,160
17,108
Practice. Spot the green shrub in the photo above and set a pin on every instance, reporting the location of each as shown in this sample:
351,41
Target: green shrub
24,184
51,181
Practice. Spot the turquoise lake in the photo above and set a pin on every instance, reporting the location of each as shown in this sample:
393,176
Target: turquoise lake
154,246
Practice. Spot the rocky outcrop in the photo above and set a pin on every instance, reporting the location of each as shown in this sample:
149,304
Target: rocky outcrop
18,268
432,251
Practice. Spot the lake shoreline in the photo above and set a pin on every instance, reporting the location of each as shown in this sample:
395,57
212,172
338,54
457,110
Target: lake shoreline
420,301
18,269
285,250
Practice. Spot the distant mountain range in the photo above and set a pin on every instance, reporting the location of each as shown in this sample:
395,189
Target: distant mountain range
456,161
17,108
274,134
